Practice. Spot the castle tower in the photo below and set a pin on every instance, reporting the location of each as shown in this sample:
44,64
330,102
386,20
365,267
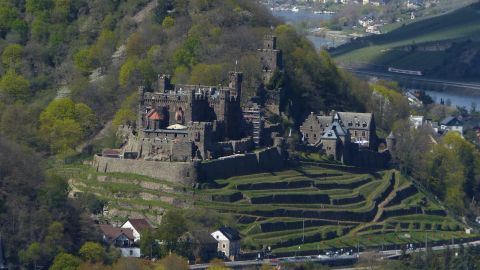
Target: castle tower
235,83
391,145
164,82
270,57
140,113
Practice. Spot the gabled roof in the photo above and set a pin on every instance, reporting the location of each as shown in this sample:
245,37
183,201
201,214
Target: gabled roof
139,224
112,233
356,120
177,127
451,121
230,234
339,130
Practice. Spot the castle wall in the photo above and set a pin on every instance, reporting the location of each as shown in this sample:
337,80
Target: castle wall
266,160
188,173
177,172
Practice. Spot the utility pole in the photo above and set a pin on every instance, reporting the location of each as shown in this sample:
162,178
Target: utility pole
303,232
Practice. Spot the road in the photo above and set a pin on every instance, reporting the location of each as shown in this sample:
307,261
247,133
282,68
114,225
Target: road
376,73
322,258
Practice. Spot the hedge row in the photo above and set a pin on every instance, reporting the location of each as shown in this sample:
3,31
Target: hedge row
275,185
402,194
352,185
292,199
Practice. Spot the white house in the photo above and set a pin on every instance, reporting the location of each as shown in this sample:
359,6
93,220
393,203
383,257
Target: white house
228,241
121,238
452,123
137,226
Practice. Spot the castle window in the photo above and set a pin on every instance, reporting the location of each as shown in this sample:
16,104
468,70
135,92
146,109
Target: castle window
311,127
363,133
306,135
314,135
355,133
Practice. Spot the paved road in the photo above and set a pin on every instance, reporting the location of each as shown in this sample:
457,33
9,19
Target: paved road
385,253
468,85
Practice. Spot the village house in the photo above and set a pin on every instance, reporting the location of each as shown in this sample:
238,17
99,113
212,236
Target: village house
228,241
121,238
138,226
451,123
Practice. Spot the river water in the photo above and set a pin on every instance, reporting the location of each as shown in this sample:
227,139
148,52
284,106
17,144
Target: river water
306,16
462,100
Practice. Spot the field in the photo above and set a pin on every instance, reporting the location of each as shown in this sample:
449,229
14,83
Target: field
459,30
314,206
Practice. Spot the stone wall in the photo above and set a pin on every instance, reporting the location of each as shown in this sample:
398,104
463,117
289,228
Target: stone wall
189,173
178,172
266,160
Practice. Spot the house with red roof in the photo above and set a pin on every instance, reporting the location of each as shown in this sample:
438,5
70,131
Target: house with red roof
137,225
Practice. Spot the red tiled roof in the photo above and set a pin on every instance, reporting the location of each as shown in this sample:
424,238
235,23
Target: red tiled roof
154,115
113,233
140,224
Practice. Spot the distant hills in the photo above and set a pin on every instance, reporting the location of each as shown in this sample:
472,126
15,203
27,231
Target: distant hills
446,46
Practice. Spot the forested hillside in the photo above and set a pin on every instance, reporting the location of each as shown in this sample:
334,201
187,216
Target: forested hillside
70,67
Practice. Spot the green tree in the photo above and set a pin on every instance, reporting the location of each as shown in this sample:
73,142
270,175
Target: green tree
31,255
53,239
38,6
92,252
83,60
65,261
39,28
63,124
135,45
8,14
168,22
85,117
12,55
126,72
61,10
207,74
14,87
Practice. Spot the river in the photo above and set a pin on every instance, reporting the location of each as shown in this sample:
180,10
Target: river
306,16
462,100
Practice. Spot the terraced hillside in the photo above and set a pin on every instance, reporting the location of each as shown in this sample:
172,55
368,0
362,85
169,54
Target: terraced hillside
313,206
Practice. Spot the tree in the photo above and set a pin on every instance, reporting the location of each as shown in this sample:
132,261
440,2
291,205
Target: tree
63,124
83,60
12,55
65,261
207,74
32,255
92,252
168,22
14,87
174,261
8,14
126,72
52,242
61,10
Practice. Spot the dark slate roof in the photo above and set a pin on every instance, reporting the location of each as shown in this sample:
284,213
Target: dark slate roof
339,129
356,120
330,134
140,224
450,121
3,261
230,233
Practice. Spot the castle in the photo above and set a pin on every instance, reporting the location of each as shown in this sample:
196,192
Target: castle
178,126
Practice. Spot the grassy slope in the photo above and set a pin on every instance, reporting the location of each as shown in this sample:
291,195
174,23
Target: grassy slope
129,198
460,25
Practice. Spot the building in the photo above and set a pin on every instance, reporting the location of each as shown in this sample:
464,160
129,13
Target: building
451,123
360,126
185,123
228,241
202,244
138,226
121,238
